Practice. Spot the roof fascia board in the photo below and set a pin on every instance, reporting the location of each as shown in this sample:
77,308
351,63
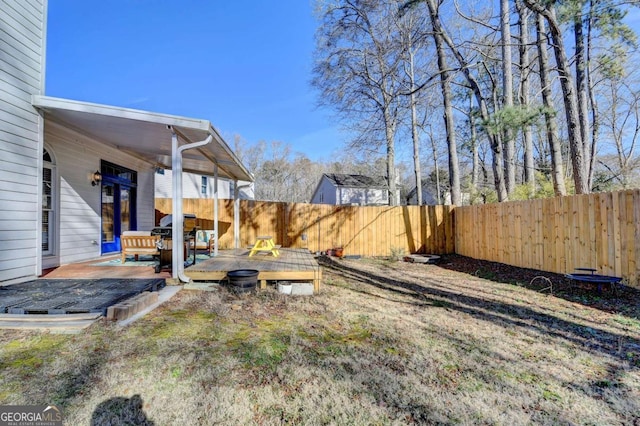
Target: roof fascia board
45,102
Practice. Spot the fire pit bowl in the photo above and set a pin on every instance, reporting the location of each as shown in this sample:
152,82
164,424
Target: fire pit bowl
243,280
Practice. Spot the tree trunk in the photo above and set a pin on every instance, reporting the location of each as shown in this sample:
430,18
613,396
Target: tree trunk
576,147
391,156
475,168
527,137
595,116
582,94
436,167
454,168
484,112
507,85
414,132
557,168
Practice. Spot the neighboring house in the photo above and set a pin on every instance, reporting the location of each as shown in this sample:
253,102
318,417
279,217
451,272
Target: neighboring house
199,186
340,189
428,199
75,175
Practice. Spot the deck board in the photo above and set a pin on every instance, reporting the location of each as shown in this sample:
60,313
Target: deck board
291,265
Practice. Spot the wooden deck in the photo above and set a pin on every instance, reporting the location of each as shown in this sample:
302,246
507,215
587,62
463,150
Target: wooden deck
291,265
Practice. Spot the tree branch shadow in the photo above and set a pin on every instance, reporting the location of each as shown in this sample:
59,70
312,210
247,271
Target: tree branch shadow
503,314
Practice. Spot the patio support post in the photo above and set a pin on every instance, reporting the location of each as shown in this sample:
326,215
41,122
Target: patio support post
216,200
177,223
236,214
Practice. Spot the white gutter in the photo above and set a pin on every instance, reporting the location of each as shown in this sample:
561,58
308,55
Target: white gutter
177,225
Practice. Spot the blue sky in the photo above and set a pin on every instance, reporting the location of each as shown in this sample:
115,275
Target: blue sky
244,65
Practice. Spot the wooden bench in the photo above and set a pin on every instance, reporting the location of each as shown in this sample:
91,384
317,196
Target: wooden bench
135,243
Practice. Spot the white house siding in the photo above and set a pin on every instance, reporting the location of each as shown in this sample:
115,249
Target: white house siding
363,196
77,157
325,193
22,30
192,187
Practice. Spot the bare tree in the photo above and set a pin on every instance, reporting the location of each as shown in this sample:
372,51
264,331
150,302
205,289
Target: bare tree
557,167
622,127
524,91
571,109
357,65
507,94
443,68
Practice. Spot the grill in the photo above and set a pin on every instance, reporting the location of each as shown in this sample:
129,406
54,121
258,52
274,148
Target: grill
165,231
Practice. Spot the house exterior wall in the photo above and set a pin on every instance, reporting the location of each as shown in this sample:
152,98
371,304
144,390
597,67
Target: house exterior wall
192,187
427,197
79,222
326,193
22,51
363,196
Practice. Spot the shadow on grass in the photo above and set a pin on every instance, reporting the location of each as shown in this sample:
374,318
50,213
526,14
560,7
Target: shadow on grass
435,292
624,300
120,411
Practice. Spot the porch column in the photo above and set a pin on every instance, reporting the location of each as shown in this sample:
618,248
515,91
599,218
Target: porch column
215,209
177,223
236,214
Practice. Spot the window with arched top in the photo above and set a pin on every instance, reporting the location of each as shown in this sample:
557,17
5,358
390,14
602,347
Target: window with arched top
48,202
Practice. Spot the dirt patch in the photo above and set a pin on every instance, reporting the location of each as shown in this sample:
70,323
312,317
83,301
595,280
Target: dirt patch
620,298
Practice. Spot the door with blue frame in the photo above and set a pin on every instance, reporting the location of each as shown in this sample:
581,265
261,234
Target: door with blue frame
118,205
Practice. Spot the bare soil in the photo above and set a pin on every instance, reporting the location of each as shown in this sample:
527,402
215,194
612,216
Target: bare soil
619,298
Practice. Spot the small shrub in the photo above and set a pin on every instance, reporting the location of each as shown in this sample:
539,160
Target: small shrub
397,253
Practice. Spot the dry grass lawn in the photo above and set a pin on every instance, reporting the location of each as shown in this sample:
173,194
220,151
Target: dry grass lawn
384,343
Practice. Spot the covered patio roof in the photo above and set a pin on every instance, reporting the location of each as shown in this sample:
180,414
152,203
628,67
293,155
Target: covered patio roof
181,144
146,135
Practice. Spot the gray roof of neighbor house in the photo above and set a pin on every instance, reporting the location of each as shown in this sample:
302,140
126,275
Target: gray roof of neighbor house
357,181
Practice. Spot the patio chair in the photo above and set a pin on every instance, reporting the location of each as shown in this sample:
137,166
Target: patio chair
204,240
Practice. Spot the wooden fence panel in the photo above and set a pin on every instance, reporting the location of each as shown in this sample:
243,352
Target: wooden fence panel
366,231
557,235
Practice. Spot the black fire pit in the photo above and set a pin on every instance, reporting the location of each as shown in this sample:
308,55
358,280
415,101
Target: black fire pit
243,280
594,278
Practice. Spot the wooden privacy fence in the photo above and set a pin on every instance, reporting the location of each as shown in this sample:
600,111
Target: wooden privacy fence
599,231
366,231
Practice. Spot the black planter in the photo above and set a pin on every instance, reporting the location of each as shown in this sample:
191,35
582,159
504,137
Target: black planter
243,280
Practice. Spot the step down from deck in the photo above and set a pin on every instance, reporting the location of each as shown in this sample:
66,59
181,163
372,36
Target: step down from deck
128,308
62,323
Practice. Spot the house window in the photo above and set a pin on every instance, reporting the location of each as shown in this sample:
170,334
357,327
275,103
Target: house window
48,202
321,197
203,187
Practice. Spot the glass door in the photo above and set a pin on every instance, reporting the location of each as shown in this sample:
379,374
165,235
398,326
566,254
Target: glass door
118,205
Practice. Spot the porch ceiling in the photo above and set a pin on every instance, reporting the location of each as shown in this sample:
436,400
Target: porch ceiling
145,135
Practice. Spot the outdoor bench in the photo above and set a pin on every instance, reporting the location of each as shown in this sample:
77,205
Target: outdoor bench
135,243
